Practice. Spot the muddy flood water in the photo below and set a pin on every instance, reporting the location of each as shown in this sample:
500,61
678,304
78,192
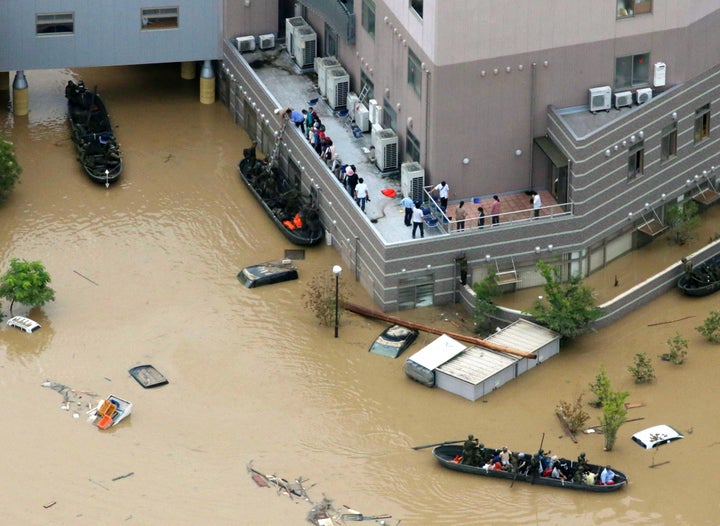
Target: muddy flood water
144,273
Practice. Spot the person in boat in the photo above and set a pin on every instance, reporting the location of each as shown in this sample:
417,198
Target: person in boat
535,468
492,465
607,477
589,478
522,462
687,265
504,457
557,471
469,452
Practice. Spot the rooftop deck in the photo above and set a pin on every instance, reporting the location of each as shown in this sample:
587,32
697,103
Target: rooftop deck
295,89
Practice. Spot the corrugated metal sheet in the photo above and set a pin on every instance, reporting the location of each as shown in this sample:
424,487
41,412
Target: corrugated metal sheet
524,335
438,352
476,364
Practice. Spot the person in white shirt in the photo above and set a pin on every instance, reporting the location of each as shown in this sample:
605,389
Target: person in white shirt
537,204
361,193
443,191
418,220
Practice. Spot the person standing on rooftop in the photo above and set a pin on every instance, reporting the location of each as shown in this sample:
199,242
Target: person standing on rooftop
408,205
443,191
495,211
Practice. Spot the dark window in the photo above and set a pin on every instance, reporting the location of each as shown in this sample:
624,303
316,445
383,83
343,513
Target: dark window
389,116
368,16
331,41
412,147
702,123
630,8
632,70
414,73
668,142
55,23
636,161
159,17
417,6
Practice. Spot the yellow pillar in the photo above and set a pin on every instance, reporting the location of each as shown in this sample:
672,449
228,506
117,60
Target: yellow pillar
20,94
4,80
207,84
187,70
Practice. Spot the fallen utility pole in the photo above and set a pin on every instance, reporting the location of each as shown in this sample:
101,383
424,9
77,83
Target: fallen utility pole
358,309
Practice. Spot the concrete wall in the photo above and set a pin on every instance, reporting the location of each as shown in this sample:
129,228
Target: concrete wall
106,33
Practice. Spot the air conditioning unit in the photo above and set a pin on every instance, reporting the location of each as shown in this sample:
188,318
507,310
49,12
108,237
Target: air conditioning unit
305,46
659,74
337,87
352,101
600,98
643,95
322,64
623,98
386,150
372,109
245,43
412,180
290,25
362,117
266,41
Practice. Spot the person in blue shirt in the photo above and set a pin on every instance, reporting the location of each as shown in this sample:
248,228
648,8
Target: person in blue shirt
298,118
607,476
408,205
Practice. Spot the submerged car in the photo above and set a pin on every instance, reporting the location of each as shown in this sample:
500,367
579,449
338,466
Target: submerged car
656,436
268,273
393,341
23,323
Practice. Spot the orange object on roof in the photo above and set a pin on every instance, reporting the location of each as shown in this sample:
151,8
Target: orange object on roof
388,192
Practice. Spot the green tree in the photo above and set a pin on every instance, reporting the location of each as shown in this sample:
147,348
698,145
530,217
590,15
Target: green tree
677,349
485,292
683,220
642,369
568,306
26,282
711,327
614,415
9,169
320,297
601,387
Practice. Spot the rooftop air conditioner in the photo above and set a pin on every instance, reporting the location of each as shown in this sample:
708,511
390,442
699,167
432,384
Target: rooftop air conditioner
372,110
352,102
290,25
386,150
245,43
412,180
362,117
266,41
304,46
600,98
623,98
322,64
375,129
643,95
337,87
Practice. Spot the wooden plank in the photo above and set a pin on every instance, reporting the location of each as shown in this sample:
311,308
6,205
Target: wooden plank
363,311
565,426
633,405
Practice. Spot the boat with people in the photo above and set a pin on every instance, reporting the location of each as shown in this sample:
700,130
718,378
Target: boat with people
288,208
450,456
702,279
92,134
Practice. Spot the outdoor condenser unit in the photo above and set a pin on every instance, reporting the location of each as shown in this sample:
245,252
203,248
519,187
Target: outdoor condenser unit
337,87
412,180
304,46
290,25
266,41
245,43
600,98
623,98
322,64
386,150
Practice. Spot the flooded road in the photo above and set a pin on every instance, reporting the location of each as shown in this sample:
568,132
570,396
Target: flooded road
144,272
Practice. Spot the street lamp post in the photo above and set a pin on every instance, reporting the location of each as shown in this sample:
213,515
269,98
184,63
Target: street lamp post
337,269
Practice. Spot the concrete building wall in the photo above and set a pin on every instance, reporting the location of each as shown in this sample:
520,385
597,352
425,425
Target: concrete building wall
106,33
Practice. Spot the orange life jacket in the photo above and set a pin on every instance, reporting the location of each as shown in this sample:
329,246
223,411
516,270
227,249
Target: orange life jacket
297,221
289,224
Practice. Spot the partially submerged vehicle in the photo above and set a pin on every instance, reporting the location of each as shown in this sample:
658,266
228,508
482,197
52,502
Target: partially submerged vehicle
268,273
656,436
148,376
23,323
110,411
393,341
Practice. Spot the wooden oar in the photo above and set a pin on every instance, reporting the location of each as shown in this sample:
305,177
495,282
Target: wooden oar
361,517
447,442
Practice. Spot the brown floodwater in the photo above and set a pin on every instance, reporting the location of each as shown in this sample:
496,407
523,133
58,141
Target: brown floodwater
144,272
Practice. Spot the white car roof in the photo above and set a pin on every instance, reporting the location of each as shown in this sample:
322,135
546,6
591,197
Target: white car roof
656,435
23,323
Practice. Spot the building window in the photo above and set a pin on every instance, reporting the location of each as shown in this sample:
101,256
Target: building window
636,161
412,147
417,6
159,17
668,142
365,81
629,8
368,16
633,70
389,116
55,23
414,73
702,123
331,41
